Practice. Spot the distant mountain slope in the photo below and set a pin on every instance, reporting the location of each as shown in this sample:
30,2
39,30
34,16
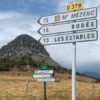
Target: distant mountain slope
23,51
92,74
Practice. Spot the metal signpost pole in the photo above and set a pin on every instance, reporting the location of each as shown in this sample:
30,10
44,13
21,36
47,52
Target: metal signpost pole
44,90
74,72
44,68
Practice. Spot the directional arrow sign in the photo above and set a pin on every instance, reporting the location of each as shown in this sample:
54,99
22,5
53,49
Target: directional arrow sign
43,72
46,80
74,26
69,38
42,76
64,17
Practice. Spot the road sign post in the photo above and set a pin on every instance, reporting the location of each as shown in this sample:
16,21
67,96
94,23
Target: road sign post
44,90
44,75
44,68
71,27
74,72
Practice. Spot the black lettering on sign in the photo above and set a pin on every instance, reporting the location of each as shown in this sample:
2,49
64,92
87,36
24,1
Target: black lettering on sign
72,6
66,37
82,24
74,15
92,35
76,5
55,40
77,25
84,13
88,13
77,37
46,30
92,24
46,40
87,24
88,36
92,12
81,36
45,20
80,5
62,38
74,37
64,17
68,7
84,36
70,38
73,26
58,39
80,14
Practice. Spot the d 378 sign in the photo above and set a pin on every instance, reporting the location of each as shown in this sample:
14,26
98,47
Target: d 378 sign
74,6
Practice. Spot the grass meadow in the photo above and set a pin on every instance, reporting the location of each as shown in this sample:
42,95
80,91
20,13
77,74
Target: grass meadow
23,87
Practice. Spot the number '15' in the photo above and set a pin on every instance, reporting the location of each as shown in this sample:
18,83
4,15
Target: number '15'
46,30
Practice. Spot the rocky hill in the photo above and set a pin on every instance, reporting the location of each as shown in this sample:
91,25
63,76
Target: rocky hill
24,53
22,45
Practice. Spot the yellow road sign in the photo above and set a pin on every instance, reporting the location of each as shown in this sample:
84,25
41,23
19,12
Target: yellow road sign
74,6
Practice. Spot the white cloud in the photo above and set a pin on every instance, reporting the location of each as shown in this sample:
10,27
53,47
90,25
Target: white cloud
93,3
8,15
13,24
62,53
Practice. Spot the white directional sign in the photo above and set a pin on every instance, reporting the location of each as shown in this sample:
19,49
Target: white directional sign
69,38
63,17
66,27
42,76
46,80
43,72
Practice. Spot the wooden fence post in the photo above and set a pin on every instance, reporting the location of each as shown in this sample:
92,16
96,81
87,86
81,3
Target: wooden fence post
26,87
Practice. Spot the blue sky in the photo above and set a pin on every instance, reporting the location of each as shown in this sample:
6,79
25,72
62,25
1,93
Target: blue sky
20,17
33,7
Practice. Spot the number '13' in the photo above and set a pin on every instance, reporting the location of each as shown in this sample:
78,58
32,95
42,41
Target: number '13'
46,40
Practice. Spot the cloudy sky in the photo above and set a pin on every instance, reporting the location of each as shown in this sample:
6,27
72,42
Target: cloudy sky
20,17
